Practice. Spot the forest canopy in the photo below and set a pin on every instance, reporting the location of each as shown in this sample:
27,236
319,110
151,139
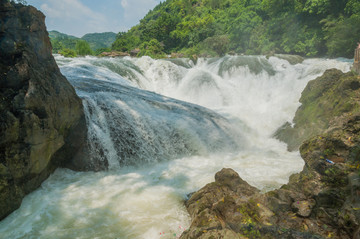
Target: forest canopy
89,44
215,27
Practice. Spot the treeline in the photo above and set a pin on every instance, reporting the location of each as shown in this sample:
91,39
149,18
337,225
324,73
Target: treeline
215,27
89,44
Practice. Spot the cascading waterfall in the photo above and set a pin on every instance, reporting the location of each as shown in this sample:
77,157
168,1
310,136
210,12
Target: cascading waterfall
128,126
163,128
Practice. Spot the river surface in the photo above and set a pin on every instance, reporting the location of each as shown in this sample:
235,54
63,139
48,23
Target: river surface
164,128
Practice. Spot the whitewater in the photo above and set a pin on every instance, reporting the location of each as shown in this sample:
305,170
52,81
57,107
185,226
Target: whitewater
163,128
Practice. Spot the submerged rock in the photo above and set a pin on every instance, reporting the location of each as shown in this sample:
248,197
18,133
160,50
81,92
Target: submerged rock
42,124
292,59
322,201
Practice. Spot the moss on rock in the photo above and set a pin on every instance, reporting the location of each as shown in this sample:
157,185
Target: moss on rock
325,98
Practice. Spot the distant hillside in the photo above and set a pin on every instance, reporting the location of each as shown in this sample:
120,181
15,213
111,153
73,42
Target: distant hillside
60,41
304,27
56,34
100,40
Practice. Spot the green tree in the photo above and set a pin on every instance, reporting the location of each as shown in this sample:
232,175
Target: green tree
125,42
56,46
68,52
305,27
153,48
83,48
342,35
219,44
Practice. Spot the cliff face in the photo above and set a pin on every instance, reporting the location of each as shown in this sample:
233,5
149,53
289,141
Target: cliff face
322,201
42,124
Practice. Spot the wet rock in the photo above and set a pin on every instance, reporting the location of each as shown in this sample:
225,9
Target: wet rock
323,100
292,59
177,55
323,200
357,234
303,208
227,177
114,54
134,52
42,124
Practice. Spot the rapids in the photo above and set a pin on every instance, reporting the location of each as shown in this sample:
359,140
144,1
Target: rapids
164,128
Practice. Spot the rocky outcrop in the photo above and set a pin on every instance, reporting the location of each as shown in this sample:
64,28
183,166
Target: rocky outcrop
356,65
114,54
325,98
292,59
322,201
42,124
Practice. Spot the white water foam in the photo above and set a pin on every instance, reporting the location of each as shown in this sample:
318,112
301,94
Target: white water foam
250,97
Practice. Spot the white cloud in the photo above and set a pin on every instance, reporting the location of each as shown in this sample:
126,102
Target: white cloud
74,15
78,17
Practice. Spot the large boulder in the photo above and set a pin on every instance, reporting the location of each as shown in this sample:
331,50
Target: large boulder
42,124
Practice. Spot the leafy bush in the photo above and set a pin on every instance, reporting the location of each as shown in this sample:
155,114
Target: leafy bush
83,48
125,42
219,44
101,50
67,52
153,48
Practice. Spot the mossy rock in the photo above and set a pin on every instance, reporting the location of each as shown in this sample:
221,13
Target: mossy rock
325,98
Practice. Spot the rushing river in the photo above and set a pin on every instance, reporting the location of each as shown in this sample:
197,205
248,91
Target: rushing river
164,128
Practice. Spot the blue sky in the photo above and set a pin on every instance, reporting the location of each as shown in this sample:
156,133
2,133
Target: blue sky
78,17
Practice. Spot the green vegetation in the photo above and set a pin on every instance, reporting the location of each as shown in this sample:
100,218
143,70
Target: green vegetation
89,44
153,48
216,27
101,50
63,44
67,52
83,48
100,40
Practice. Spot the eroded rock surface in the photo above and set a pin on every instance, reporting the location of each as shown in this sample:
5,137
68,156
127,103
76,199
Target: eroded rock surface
42,124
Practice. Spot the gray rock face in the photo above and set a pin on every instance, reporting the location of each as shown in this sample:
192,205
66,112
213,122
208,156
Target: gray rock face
42,124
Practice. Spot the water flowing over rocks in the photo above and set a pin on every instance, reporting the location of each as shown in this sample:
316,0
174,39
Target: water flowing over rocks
322,201
42,124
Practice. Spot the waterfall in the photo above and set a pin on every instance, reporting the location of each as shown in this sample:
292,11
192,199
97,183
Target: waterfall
163,128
